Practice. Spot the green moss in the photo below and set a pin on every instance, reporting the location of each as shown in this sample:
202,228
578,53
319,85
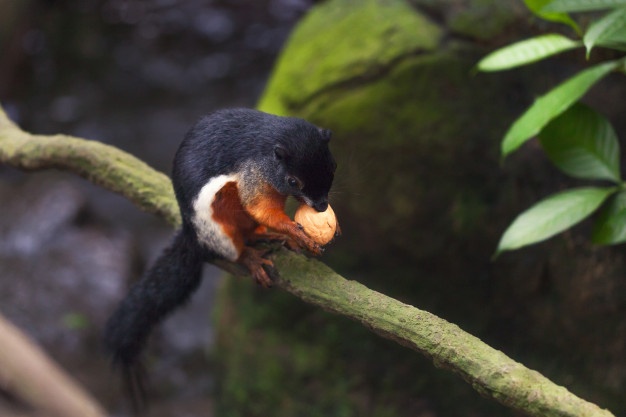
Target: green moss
324,52
414,84
274,363
280,357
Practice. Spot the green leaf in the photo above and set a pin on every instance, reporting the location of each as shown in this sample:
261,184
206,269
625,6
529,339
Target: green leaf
581,5
536,6
582,143
607,31
610,227
526,52
617,40
553,103
552,215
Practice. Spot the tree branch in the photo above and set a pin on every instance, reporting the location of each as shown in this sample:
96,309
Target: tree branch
28,373
489,371
100,164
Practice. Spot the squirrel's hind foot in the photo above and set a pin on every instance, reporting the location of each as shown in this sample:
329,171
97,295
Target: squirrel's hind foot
255,262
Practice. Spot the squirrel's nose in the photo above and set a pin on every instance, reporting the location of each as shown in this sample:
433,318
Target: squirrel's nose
321,205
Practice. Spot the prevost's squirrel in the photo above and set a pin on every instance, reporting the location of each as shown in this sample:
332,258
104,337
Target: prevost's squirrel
232,175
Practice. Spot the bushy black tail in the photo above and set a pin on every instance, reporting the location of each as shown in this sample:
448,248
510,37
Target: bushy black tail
164,287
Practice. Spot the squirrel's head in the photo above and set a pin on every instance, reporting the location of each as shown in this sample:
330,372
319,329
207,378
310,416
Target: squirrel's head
305,166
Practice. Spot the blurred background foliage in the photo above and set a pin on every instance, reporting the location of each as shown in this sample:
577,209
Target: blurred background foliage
420,193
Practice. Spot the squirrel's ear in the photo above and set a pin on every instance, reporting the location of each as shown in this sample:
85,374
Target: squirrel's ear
280,152
326,134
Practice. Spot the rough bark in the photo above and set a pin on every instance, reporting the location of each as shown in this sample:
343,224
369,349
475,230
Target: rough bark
488,370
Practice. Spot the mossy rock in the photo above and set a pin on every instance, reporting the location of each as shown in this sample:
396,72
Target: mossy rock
277,356
422,199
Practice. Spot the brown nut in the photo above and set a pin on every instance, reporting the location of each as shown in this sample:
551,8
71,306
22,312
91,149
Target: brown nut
320,227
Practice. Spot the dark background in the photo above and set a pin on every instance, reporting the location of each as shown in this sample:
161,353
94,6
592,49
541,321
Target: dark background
134,74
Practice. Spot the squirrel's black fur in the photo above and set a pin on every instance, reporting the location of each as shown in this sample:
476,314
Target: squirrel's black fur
227,140
231,175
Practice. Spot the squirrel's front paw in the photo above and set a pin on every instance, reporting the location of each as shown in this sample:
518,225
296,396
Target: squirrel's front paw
305,242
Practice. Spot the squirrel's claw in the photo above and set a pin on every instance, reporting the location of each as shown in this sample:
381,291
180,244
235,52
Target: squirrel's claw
305,242
253,260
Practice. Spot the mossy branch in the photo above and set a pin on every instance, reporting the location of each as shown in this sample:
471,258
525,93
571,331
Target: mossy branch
100,164
488,370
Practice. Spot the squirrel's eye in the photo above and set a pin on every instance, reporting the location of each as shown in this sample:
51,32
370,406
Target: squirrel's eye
294,182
